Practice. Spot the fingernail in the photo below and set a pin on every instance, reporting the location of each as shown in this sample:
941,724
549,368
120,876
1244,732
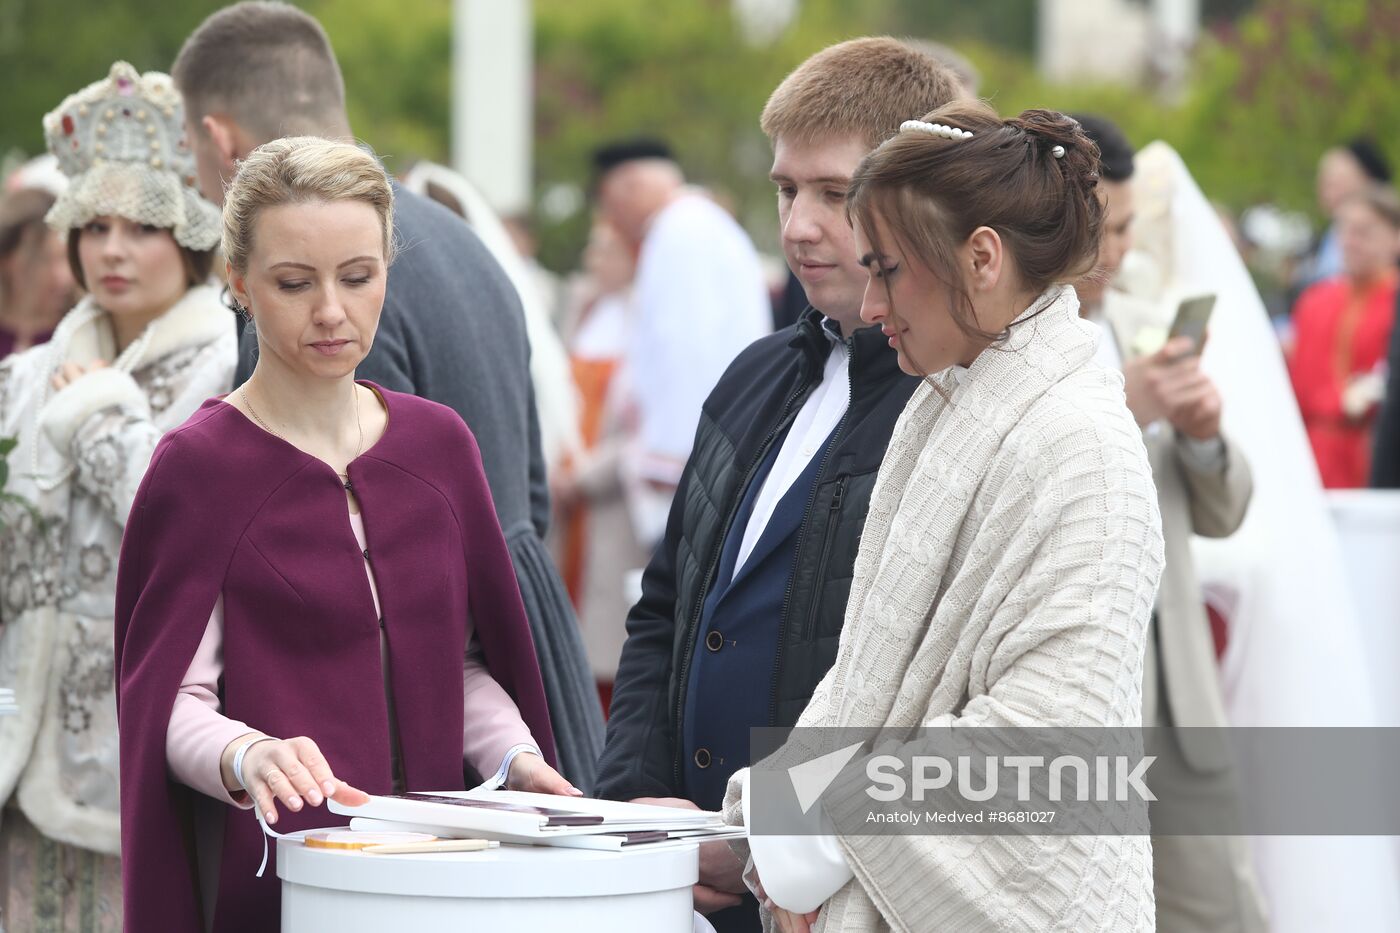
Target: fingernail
270,816
330,788
315,798
294,803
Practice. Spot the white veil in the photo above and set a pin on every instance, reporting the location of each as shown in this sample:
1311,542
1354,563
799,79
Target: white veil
1294,656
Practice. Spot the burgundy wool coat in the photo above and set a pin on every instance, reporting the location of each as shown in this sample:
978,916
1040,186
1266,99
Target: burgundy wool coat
226,508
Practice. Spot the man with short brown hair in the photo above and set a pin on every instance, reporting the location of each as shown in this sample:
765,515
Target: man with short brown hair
743,603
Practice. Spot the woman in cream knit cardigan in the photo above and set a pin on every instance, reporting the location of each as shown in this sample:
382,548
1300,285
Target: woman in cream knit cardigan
1009,562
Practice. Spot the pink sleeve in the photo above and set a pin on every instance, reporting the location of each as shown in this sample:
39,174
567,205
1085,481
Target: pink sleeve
198,733
492,725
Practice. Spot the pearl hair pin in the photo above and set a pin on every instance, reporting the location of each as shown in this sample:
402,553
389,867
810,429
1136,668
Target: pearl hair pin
935,129
1058,152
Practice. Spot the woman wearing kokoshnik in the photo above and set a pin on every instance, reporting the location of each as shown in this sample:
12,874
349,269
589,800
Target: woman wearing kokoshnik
131,361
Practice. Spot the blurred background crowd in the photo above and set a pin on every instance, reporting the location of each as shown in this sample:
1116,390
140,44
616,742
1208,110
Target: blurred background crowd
1279,108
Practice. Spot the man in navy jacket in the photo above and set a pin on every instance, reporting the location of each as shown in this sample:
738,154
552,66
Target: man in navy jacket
743,603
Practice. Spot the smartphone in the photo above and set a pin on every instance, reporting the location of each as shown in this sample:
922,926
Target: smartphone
1192,316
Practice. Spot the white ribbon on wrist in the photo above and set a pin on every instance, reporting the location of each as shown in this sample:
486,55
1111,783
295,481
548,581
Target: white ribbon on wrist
238,760
502,774
238,755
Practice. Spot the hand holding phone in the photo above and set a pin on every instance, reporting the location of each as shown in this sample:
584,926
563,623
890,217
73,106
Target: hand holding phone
1192,316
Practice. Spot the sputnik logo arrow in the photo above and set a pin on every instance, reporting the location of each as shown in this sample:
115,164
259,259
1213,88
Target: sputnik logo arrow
811,778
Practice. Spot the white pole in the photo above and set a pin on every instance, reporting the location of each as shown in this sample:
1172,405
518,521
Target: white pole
1178,20
492,99
1050,36
1178,23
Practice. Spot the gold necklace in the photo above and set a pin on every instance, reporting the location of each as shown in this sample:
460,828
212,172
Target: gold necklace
359,425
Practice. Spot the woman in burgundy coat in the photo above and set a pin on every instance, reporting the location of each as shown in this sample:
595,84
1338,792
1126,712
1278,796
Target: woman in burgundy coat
314,597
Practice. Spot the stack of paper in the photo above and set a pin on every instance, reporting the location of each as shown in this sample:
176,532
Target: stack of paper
537,819
8,706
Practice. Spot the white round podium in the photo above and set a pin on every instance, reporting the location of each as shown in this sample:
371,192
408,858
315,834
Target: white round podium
506,888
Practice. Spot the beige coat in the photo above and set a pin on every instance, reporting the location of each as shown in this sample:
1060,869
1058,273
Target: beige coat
1192,502
1201,883
1212,505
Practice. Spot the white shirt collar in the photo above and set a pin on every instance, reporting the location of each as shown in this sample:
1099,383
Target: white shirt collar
832,330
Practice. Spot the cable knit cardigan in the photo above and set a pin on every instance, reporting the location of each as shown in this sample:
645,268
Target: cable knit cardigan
1005,577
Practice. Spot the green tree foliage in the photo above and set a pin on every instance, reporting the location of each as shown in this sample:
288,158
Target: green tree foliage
396,57
680,71
1010,24
11,503
397,60
1269,92
51,48
1293,78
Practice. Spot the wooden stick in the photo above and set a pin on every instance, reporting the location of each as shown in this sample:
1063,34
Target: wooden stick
437,845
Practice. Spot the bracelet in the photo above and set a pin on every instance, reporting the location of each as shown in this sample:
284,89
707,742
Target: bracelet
238,758
502,774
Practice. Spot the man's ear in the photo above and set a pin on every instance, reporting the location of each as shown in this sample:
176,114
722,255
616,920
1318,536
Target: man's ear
226,139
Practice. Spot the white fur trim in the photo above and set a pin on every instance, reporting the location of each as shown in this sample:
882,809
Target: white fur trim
63,414
196,319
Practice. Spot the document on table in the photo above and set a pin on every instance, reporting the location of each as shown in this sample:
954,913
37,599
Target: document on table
516,816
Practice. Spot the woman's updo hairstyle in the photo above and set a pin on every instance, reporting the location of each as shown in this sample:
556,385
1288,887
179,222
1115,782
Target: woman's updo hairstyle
299,169
1032,179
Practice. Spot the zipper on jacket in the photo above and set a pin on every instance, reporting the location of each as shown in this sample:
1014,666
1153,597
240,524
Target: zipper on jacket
809,628
684,670
811,500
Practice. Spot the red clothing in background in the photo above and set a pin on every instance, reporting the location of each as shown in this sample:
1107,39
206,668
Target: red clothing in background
1341,331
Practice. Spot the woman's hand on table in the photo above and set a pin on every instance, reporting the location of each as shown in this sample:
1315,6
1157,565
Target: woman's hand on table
529,772
292,771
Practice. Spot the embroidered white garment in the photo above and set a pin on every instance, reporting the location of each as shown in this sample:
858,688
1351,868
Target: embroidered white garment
1006,575
82,453
815,420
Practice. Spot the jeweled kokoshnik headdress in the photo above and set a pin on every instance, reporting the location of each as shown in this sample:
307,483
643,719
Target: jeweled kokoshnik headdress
121,142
